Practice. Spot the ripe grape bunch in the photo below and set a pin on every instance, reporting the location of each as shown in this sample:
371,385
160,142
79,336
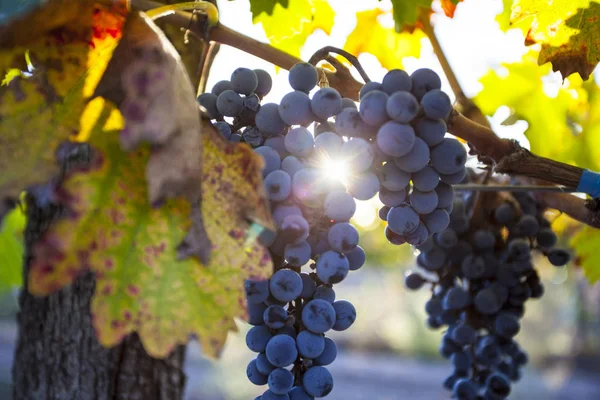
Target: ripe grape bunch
481,273
394,145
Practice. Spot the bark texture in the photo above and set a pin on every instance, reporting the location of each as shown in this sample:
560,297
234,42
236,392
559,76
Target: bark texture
57,356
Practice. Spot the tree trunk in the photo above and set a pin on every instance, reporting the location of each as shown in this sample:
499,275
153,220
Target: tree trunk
58,357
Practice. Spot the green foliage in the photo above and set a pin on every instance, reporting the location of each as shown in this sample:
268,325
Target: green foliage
12,249
406,12
258,7
288,28
585,244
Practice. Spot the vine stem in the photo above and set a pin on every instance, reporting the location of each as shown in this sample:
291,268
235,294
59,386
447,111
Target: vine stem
323,54
506,155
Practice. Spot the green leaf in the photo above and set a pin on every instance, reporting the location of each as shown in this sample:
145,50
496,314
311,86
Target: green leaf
390,47
288,28
562,127
43,106
12,249
585,244
258,7
568,32
406,12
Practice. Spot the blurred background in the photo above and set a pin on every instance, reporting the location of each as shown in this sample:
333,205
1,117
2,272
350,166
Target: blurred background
389,353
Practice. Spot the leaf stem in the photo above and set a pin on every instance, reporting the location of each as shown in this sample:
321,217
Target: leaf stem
323,53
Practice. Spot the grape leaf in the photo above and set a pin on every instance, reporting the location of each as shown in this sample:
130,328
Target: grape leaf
258,7
585,243
42,105
288,28
141,286
561,126
568,32
369,36
449,7
12,249
406,12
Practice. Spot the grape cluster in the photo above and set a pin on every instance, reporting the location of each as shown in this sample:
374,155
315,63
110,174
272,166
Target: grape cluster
417,163
483,274
292,312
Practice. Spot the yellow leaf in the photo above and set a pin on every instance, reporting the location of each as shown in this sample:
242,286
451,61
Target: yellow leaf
586,244
288,28
41,107
389,47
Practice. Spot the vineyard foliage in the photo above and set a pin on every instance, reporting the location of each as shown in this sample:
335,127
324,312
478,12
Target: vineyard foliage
167,213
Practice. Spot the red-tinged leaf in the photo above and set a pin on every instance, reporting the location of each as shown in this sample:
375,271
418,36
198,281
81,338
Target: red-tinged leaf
449,7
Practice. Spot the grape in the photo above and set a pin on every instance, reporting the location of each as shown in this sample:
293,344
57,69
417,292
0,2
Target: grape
287,330
230,104
252,136
487,351
528,225
464,389
268,395
318,243
496,387
506,326
294,229
303,76
282,211
462,361
417,159
285,285
356,258
332,267
546,237
449,156
220,87
393,237
281,351
455,178
294,109
519,249
446,239
342,237
436,104
403,219
328,143
298,393
209,102
345,315
424,80
367,88
373,108
339,206
310,345
473,267
268,120
432,131
255,313
297,254
224,129
299,142
392,199
317,381
318,316
325,293
413,281
291,165
487,302
348,103
418,236
265,83
258,337
235,137
279,185
349,123
280,381
244,81
364,186
396,80
395,139
456,298
308,286
393,178
464,335
329,353
402,107
277,143
263,365
275,317
436,221
256,291
305,185
445,194
326,102
358,154
505,213
425,179
423,202
559,257
254,375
